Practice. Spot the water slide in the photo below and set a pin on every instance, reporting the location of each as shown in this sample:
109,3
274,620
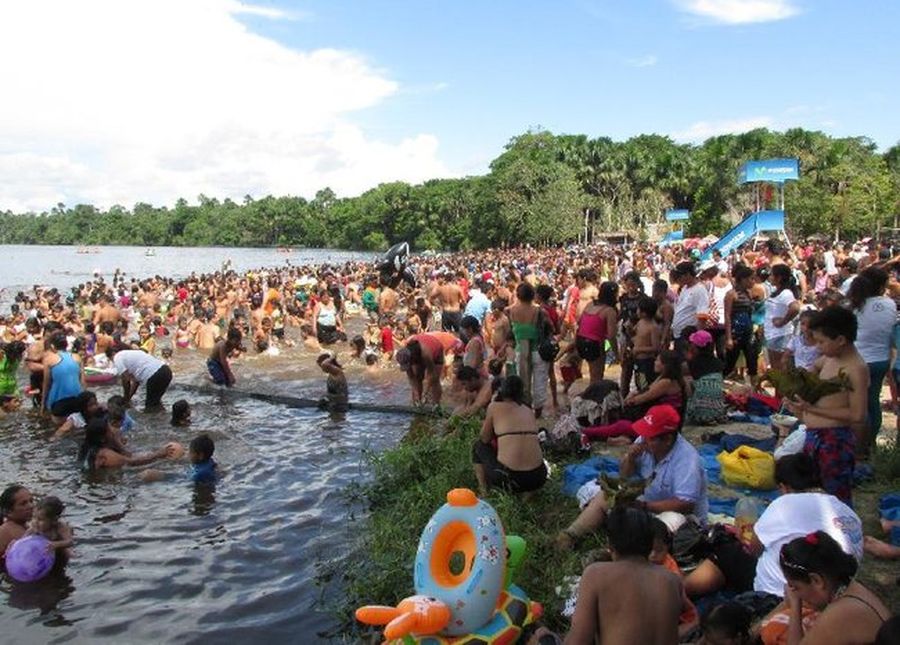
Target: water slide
672,237
746,230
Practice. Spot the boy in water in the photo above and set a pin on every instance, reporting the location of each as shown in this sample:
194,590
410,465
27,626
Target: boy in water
336,384
203,467
217,363
612,596
835,424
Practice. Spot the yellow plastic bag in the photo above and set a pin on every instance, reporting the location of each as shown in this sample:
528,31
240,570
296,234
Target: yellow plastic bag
748,467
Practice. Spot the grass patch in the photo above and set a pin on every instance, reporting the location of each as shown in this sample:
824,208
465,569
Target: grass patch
410,483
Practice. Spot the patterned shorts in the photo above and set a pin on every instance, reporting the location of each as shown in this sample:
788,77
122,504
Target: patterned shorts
834,450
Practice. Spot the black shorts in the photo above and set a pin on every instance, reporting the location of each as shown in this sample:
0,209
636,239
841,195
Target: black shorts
65,407
589,350
157,386
736,564
499,476
450,321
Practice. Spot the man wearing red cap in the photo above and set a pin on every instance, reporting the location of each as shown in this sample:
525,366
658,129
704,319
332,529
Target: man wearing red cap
670,466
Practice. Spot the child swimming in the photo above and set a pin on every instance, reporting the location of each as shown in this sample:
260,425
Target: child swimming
203,467
46,522
181,413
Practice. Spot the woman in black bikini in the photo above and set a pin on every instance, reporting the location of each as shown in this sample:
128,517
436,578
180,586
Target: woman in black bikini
508,452
820,574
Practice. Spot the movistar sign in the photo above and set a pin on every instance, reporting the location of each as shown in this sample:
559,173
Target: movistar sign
776,171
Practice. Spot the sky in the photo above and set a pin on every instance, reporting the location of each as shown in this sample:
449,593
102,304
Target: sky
124,101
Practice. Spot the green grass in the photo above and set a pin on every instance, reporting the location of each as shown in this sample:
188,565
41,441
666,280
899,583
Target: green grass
410,483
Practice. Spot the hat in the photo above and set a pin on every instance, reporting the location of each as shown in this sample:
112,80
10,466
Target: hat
700,338
707,265
659,420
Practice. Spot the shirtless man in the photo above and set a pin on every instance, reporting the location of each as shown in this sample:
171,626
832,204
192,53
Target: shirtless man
587,289
387,301
478,392
106,312
498,328
206,334
629,600
664,311
449,297
835,425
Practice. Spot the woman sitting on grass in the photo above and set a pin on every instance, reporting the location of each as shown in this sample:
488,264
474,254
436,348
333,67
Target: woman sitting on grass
508,452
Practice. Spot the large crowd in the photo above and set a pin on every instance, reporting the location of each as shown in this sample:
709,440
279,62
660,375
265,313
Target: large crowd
525,338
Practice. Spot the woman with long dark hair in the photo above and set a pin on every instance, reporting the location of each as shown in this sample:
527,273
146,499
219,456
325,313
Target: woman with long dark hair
16,508
669,388
781,308
508,452
820,575
876,316
597,324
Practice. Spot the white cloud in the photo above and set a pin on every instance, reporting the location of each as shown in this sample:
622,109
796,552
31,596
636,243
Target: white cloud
702,130
150,100
644,61
739,12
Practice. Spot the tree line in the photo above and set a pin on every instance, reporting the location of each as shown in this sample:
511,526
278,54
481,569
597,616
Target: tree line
543,189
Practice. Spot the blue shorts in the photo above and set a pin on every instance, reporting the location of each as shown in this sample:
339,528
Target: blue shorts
216,371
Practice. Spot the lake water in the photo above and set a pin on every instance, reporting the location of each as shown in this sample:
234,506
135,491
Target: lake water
21,267
164,562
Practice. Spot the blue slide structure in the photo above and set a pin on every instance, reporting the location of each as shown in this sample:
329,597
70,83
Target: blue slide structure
670,238
750,227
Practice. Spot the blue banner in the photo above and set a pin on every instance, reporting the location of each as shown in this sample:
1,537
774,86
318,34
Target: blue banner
776,171
673,215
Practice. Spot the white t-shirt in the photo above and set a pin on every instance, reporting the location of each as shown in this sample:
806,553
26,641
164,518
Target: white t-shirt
830,264
719,294
777,307
795,515
804,355
691,301
876,327
845,285
137,363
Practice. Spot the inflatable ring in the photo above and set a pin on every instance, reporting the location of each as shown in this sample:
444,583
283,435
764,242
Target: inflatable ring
513,612
96,376
469,526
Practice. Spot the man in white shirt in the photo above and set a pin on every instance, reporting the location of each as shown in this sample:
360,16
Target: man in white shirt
676,485
140,368
692,305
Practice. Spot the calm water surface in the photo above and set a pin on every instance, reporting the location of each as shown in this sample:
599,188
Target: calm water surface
166,562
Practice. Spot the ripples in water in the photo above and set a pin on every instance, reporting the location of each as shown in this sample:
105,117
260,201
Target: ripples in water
170,562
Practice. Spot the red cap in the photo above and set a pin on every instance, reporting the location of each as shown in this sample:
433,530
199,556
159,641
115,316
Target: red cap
659,420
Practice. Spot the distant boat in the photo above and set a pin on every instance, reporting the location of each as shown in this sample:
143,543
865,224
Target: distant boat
149,253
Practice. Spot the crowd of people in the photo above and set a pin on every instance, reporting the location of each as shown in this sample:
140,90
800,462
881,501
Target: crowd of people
523,339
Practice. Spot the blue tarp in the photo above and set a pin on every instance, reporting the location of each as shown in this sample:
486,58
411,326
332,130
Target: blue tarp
577,475
889,507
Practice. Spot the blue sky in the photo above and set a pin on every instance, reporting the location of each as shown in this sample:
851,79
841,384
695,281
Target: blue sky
151,100
477,73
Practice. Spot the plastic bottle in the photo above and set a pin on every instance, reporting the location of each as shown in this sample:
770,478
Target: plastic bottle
746,512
